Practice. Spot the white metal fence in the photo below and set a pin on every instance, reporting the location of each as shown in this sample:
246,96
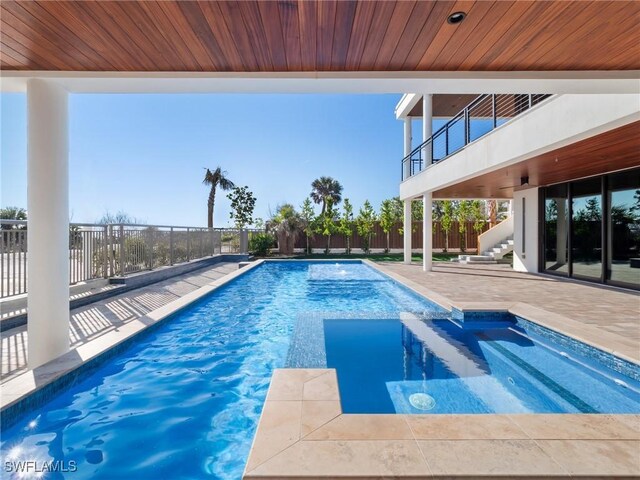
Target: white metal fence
104,251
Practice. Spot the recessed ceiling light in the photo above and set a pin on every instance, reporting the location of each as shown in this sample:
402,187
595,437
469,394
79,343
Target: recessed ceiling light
456,17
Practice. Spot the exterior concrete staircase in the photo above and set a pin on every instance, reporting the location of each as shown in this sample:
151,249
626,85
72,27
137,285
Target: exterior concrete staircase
494,244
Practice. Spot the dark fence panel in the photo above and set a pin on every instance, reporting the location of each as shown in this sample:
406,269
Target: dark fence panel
379,239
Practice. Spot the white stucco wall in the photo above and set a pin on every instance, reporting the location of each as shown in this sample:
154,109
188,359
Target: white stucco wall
526,261
555,123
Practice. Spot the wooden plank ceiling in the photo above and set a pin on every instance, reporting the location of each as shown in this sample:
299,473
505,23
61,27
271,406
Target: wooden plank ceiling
616,149
330,35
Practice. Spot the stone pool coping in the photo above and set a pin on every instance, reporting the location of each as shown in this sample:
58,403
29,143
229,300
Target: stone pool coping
303,434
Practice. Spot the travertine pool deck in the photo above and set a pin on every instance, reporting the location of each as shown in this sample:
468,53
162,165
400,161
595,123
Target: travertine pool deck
602,316
100,325
304,434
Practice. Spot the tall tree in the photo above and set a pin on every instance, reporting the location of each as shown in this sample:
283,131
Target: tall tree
478,216
326,190
446,221
346,224
287,224
308,217
326,224
366,223
215,179
463,213
390,214
242,205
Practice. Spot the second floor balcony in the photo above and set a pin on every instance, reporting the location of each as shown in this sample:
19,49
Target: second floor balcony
481,116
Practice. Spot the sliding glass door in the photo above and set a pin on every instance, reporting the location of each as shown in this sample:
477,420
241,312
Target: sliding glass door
623,256
556,223
592,229
586,228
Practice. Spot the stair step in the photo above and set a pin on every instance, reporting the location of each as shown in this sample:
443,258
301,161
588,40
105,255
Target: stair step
476,259
478,262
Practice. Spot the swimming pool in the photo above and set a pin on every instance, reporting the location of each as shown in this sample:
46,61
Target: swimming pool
183,401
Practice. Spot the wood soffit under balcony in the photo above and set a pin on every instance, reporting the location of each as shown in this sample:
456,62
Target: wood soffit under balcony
616,149
286,36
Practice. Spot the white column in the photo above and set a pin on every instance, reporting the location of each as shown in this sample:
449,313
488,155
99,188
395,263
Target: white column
406,228
427,125
407,136
407,148
525,230
427,232
48,228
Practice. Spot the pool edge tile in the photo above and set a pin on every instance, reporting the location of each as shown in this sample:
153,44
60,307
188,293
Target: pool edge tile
84,357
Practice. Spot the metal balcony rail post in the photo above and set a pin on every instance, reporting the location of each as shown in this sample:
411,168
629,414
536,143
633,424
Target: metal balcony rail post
494,110
446,141
466,125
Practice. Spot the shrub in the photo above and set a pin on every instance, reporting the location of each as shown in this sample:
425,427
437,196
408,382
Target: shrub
261,243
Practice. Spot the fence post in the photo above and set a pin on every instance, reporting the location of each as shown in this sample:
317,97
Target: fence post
151,239
122,269
105,256
171,246
188,246
201,243
244,240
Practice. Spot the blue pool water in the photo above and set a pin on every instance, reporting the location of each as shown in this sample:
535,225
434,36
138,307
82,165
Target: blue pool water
184,400
435,366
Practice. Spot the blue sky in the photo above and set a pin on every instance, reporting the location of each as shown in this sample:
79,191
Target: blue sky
145,154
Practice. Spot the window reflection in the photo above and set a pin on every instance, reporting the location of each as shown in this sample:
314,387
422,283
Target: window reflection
623,258
586,240
577,214
556,229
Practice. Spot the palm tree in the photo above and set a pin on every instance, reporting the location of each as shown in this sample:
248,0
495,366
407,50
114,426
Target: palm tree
287,224
325,190
215,179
